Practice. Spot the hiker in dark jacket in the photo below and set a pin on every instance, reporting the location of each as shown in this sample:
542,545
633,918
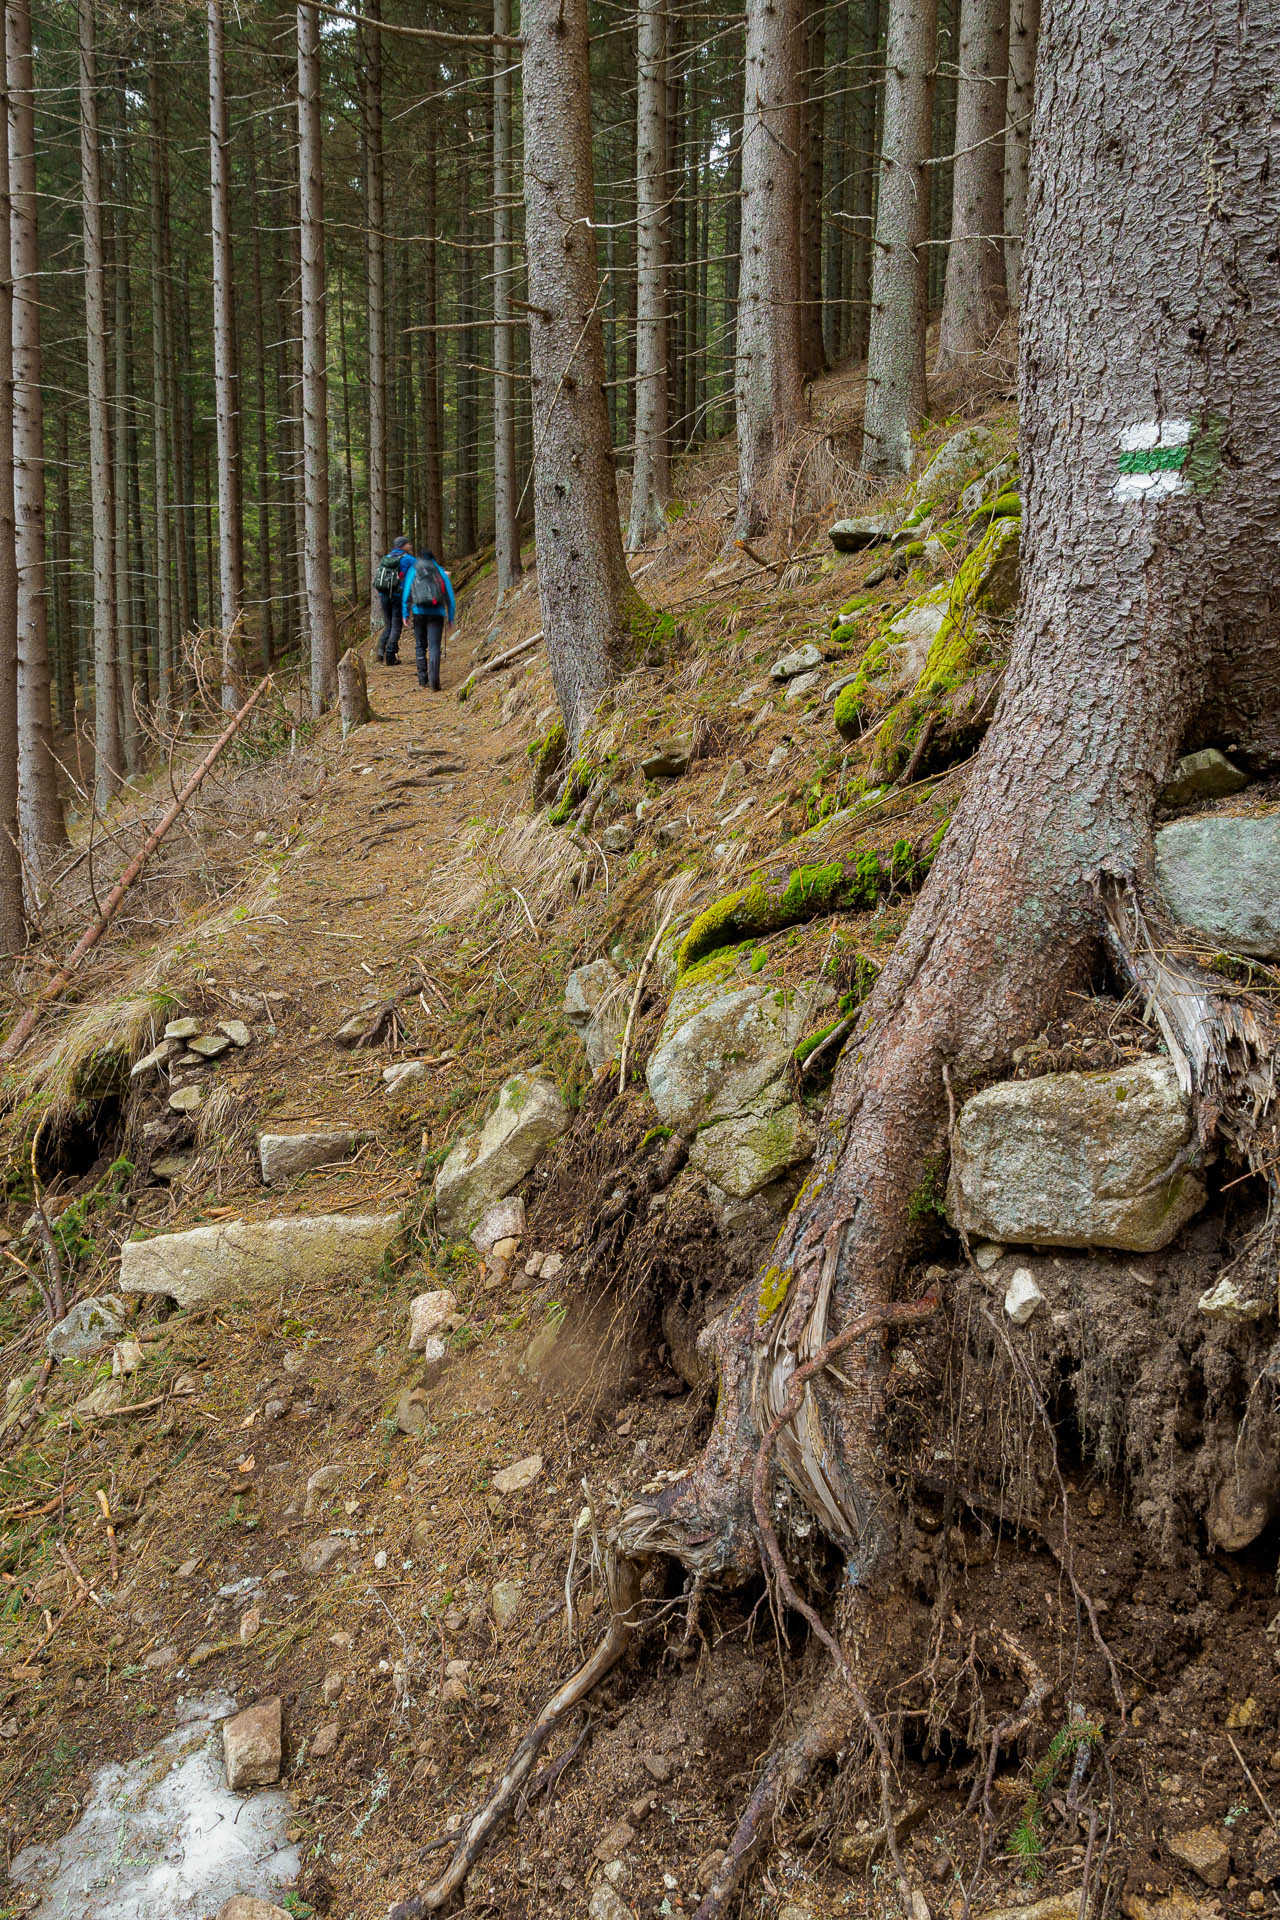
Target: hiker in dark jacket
429,603
388,581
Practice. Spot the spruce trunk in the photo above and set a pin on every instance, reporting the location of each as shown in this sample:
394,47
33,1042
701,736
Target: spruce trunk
315,386
651,476
974,299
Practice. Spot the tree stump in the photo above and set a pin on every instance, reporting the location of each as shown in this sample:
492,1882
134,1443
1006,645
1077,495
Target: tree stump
353,692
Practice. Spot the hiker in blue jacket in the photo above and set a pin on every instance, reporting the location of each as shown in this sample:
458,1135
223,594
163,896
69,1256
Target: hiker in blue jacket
388,583
428,601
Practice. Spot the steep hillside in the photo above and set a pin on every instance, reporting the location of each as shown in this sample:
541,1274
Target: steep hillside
438,925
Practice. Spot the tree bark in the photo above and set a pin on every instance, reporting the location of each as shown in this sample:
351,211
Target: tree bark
375,217
106,707
161,388
769,391
353,691
588,603
39,807
226,373
266,587
1024,32
315,387
974,300
651,471
896,390
813,119
506,487
432,434
117,244
1150,420
12,914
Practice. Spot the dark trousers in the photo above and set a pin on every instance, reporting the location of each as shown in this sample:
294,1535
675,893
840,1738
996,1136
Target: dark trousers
428,631
393,619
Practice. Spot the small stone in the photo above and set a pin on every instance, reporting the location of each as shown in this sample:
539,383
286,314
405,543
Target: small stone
656,1767
615,1841
236,1031
324,1740
320,1555
986,1254
210,1045
504,1220
790,666
186,1099
503,1252
251,1746
333,1686
1225,1301
87,1327
153,1061
403,1074
504,1603
411,1410
428,1312
552,1265
126,1357
322,1481
533,1265
668,761
518,1476
640,1809
250,1626
161,1657
792,1912
801,687
1022,1296
606,1903
189,1059
616,838
452,1691
708,1867
1257,1900
170,1167
1206,775
865,530
779,755
243,1906
1204,1851
183,1029
735,774
285,1156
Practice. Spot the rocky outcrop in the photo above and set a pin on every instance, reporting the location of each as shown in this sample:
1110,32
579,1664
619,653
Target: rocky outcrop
1077,1160
749,1151
239,1257
1220,874
486,1166
595,1006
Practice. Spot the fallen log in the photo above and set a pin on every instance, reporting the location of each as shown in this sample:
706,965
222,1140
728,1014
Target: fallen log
102,920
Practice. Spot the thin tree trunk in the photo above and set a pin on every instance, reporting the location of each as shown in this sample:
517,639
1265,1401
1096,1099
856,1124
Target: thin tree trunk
813,115
974,299
65,623
315,385
117,244
375,216
12,915
1024,31
39,808
505,485
896,350
769,388
348,465
107,742
266,617
651,473
162,386
226,373
432,505
466,537
588,604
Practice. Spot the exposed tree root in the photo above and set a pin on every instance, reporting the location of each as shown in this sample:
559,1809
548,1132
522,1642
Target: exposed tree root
624,1595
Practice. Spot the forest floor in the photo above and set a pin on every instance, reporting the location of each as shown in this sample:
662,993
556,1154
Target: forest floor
405,863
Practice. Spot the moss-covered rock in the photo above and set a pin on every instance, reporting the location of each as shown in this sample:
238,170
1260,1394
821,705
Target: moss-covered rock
768,903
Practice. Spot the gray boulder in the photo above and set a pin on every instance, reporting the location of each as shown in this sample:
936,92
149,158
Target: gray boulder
789,666
487,1166
247,1256
1076,1160
283,1156
595,1006
963,454
667,762
1221,874
721,1048
801,687
1206,775
747,1152
863,530
87,1328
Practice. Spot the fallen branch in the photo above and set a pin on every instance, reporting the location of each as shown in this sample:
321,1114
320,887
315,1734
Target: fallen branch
98,926
499,660
770,566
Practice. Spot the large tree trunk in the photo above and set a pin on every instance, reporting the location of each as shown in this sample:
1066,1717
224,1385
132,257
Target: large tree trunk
106,706
973,300
813,122
12,917
769,388
117,240
1024,32
226,378
375,218
896,391
1150,397
587,599
651,472
506,489
315,385
40,810
161,389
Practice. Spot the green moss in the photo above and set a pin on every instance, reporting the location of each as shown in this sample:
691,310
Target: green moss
653,1136
855,605
928,1197
581,774
846,630
913,550
766,907
848,712
773,1291
1006,506
812,1041
546,755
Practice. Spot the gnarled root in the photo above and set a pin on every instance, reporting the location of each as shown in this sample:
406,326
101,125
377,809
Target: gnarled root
624,1595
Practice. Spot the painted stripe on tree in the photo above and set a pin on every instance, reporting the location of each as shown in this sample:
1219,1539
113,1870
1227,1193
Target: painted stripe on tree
1151,458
